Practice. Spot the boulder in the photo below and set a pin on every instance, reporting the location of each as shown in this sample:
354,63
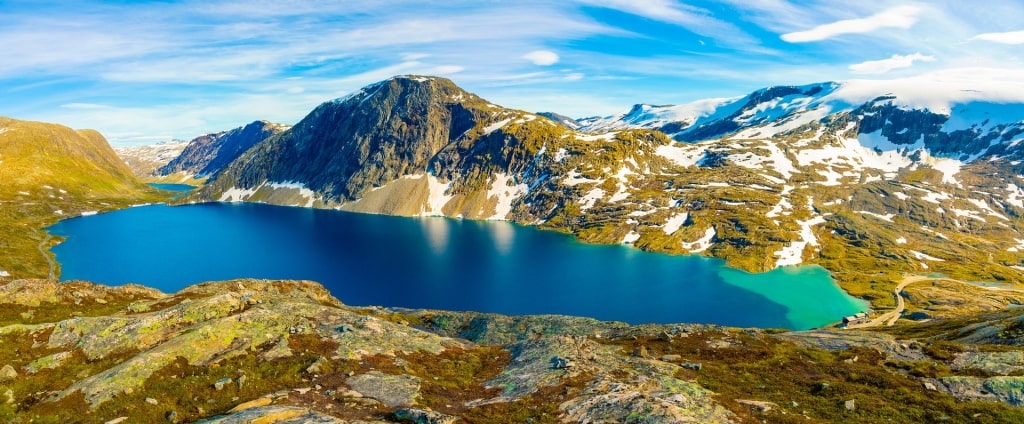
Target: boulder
220,384
560,363
391,390
8,373
255,403
419,416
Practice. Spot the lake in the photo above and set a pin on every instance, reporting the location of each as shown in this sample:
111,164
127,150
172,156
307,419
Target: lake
437,263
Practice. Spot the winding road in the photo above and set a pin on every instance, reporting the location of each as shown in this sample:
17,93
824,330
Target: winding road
889,318
49,260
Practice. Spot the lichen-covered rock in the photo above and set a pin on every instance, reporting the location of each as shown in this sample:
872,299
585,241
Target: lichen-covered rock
279,415
1001,363
391,390
419,416
1000,389
8,373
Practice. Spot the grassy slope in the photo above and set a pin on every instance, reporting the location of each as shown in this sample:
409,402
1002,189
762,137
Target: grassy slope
46,168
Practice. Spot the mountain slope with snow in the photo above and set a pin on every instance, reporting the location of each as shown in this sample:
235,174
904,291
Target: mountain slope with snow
783,176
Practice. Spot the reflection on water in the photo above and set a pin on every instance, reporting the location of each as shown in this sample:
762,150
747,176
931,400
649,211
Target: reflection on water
436,232
503,235
437,263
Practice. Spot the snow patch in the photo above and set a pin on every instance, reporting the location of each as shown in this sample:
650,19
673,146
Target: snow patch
574,178
923,257
703,243
901,240
590,198
89,213
494,127
1015,195
235,194
506,194
674,222
630,238
303,191
1019,247
886,217
793,253
597,137
436,197
682,156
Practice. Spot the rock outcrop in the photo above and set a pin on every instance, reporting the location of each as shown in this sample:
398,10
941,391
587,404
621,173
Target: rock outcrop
248,351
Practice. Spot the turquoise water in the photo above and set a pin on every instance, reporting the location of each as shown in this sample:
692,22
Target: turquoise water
437,263
173,187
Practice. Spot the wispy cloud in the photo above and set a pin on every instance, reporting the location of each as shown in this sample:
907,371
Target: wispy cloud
184,67
542,57
893,62
698,20
896,17
1012,37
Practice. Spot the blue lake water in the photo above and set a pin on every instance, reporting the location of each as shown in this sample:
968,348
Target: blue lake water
437,263
181,188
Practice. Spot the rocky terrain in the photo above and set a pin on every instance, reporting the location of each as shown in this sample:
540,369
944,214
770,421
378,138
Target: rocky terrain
206,155
144,160
287,351
867,179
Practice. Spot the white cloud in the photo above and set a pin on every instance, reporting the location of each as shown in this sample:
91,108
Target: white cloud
893,62
1013,37
575,76
542,57
446,70
896,17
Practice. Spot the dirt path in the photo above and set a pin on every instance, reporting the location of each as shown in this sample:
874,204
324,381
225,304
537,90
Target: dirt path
49,260
890,318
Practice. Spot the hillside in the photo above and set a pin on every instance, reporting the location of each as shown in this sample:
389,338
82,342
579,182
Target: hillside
859,177
50,172
274,351
207,155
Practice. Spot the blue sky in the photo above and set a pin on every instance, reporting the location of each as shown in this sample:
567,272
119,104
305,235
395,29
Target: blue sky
143,72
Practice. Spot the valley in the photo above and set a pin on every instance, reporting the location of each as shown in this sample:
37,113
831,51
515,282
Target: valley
915,211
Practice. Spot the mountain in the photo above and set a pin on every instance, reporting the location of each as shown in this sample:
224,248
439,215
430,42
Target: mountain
893,177
49,172
206,155
287,351
145,160
36,154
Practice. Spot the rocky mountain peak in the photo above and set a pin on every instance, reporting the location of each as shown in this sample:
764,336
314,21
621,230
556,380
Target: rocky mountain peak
206,155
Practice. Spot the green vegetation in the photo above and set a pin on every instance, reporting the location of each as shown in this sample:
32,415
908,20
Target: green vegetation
51,172
812,383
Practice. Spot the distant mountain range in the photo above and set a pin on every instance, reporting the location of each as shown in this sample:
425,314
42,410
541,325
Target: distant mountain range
885,176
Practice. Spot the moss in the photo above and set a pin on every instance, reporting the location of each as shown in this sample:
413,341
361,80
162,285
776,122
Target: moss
819,381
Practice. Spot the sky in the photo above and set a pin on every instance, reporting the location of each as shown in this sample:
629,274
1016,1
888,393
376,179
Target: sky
145,72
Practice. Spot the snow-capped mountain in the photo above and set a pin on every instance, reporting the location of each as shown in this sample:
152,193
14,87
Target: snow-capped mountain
899,177
144,160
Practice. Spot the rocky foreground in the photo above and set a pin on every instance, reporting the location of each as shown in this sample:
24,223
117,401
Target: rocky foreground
255,351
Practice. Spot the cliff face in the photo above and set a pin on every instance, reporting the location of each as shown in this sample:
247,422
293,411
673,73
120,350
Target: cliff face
286,351
207,155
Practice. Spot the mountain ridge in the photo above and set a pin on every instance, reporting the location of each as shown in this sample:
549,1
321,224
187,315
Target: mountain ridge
792,181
